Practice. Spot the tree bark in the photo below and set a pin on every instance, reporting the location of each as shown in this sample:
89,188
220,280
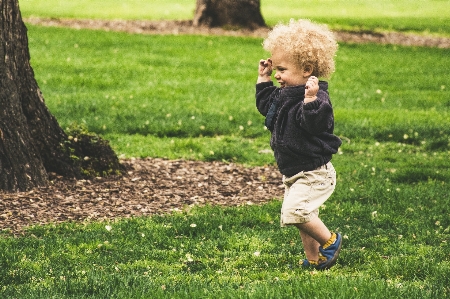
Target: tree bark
32,144
232,14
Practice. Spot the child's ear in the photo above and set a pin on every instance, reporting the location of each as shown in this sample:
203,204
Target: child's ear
308,70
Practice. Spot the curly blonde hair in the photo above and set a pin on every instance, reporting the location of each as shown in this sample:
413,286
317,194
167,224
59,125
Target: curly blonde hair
309,43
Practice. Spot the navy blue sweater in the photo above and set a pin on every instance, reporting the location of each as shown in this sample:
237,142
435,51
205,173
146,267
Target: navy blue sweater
302,134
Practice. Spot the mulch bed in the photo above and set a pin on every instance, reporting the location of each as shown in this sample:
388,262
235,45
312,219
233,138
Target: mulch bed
151,186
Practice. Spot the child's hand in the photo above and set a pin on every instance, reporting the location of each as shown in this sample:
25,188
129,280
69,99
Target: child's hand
265,70
311,89
265,67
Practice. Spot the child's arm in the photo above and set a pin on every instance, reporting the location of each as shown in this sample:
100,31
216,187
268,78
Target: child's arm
311,89
317,115
264,71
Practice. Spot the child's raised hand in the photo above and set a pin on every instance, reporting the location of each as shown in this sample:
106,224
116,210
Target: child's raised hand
311,89
264,70
265,67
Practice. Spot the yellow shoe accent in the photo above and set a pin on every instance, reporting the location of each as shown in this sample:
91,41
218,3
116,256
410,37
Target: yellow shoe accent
330,241
314,263
322,259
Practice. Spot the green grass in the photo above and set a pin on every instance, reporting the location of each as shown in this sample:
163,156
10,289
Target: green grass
400,15
403,15
110,9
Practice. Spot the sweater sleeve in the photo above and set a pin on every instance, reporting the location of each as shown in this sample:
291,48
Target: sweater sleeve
317,116
263,96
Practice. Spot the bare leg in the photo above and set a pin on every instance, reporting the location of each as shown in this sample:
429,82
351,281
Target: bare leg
313,234
310,246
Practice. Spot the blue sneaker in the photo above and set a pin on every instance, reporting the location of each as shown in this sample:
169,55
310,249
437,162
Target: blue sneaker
305,264
328,254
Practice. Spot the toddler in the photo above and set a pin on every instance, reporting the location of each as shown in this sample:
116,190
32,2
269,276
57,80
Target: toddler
300,117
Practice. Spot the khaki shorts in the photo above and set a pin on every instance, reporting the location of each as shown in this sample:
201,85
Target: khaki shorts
305,192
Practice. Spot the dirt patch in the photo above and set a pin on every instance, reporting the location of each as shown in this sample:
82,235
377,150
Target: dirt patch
186,27
150,186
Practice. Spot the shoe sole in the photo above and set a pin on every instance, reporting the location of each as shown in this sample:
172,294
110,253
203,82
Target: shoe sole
328,264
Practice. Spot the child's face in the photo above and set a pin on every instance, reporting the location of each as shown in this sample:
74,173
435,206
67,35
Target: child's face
287,72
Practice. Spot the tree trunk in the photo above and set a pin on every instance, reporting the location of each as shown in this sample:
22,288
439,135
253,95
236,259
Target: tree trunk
232,14
32,143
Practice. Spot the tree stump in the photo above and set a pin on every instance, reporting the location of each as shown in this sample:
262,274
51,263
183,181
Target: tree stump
229,14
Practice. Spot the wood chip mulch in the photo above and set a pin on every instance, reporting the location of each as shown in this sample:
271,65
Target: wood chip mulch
151,186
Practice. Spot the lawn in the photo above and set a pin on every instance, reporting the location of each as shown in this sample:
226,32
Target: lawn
152,97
